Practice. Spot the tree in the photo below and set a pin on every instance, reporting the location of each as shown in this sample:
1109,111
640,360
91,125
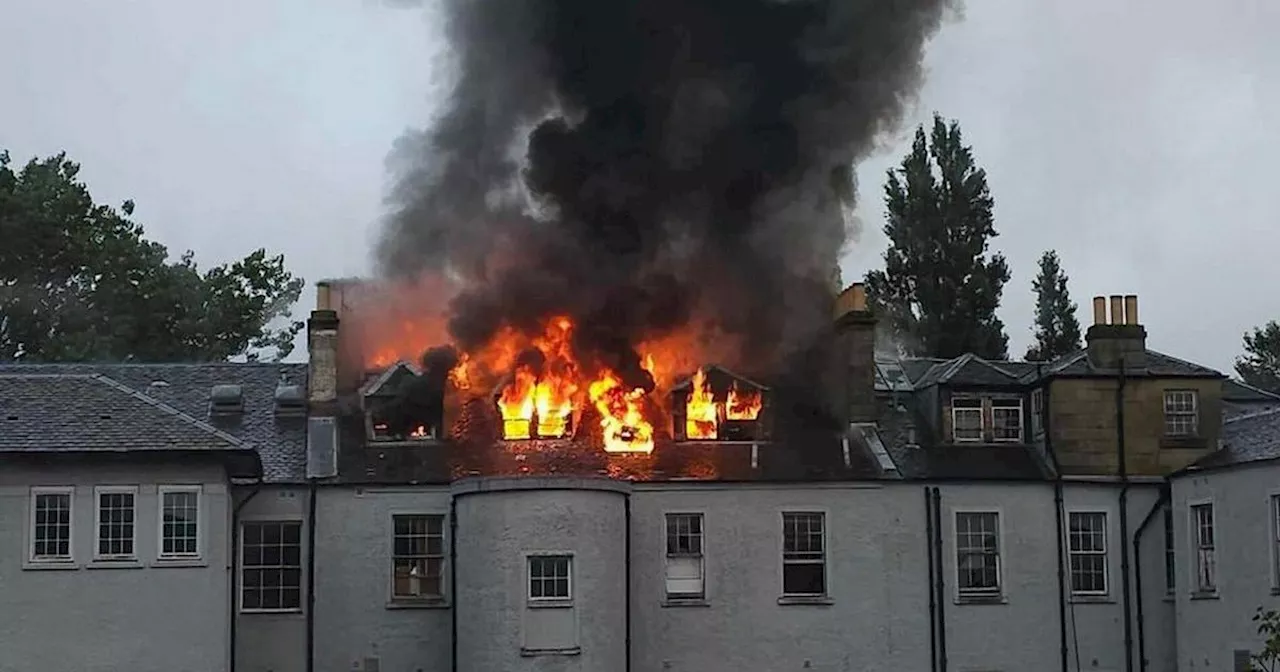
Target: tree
1267,660
1057,331
1259,366
939,289
79,282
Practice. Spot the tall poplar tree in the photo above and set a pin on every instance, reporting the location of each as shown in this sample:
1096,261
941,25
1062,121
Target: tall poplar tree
1057,331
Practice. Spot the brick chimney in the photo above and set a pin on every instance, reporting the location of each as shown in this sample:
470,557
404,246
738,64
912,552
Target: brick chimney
851,378
322,346
1116,337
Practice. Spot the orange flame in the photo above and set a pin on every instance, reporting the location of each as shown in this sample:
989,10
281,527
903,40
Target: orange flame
625,429
743,405
517,405
701,411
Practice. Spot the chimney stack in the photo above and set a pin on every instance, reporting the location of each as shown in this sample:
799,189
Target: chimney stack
322,347
851,378
1117,339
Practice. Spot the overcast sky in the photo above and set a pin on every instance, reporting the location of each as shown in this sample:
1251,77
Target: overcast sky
1139,142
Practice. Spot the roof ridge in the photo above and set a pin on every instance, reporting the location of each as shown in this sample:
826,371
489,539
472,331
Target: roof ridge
992,365
1187,362
160,405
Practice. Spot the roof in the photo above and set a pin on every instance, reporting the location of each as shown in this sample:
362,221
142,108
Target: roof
280,442
922,458
1158,365
1239,391
1253,437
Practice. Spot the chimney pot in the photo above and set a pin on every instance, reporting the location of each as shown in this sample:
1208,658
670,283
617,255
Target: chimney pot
1131,309
1117,309
852,300
324,300
1099,310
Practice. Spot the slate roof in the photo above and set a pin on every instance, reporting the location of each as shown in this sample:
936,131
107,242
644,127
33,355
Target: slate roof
279,441
1254,437
1238,391
927,460
1158,365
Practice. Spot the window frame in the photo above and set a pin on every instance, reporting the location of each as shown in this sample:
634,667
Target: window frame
1037,411
443,555
982,594
956,411
1273,502
1170,553
1105,553
701,556
783,561
161,491
529,559
1195,545
1193,414
70,492
98,492
1007,404
302,562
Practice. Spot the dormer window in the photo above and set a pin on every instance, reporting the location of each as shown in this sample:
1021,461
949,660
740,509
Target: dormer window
1006,420
716,405
966,420
401,405
986,419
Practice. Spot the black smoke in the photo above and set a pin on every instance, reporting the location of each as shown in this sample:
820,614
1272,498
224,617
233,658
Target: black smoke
630,163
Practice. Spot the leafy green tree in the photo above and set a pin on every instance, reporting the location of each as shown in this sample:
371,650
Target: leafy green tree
1057,331
1259,366
1268,659
79,282
939,288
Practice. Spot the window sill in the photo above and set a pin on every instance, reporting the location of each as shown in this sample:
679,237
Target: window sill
405,603
55,565
981,599
685,602
568,651
1170,597
1092,599
813,600
114,564
180,562
550,604
272,612
1191,441
1204,596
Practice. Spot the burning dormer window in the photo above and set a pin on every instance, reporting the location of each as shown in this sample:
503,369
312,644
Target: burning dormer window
401,405
715,405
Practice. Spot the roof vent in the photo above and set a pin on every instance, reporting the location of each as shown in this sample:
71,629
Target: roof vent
226,400
290,400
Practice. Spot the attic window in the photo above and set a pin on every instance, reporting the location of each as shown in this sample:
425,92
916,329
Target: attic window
966,419
226,400
402,405
716,405
290,400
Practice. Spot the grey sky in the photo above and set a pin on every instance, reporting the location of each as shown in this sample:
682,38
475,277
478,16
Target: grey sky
1133,140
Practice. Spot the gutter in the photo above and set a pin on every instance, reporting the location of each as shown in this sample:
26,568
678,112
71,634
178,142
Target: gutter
235,568
1161,502
933,596
453,582
311,575
1124,522
1058,515
939,581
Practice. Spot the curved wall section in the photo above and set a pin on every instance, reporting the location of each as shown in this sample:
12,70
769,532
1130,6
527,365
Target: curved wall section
541,574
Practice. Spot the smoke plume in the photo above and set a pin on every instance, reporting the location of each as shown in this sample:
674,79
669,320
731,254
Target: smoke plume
638,164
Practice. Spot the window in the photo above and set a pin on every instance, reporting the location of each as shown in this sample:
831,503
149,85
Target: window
550,577
271,566
179,522
115,523
978,553
51,524
1202,533
966,419
804,557
1037,410
1087,546
1170,575
1181,413
684,556
1006,420
417,557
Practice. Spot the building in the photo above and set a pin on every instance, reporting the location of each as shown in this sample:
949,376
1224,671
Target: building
962,515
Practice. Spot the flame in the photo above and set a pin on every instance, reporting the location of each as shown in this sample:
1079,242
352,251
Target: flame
516,404
701,411
625,429
743,405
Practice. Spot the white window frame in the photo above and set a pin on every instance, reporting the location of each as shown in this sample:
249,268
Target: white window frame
528,578
1006,404
782,554
1105,553
957,411
978,594
443,556
302,564
669,556
98,492
163,490
1194,543
70,493
1193,414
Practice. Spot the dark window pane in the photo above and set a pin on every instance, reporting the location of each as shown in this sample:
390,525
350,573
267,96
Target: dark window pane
803,579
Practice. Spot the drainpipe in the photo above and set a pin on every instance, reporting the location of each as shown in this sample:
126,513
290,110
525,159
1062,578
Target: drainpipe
311,575
235,567
933,604
939,581
1058,508
1124,522
453,582
1137,571
626,512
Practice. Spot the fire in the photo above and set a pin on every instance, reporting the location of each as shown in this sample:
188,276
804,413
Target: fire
516,405
701,412
743,405
625,429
